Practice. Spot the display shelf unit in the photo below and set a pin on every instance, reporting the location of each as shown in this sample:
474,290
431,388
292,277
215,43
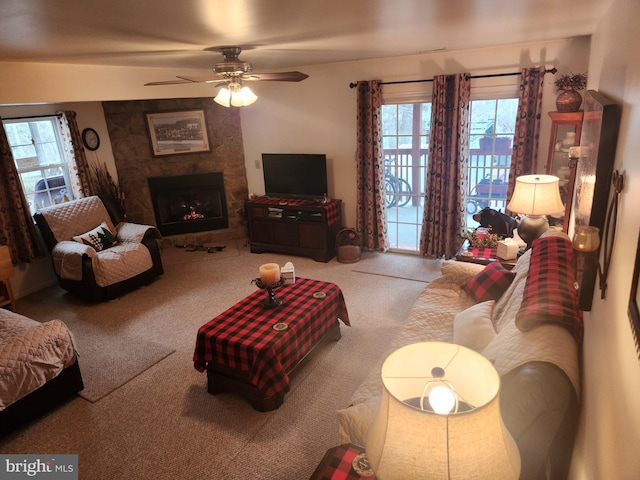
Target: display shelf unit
565,128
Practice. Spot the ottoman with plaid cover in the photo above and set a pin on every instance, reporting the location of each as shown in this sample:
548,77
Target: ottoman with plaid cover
253,350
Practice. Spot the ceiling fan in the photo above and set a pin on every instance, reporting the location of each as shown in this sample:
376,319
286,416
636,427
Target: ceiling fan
230,73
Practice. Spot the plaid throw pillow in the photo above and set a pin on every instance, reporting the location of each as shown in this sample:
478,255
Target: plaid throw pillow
99,238
490,283
549,294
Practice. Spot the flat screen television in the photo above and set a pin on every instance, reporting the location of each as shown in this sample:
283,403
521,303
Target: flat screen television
297,175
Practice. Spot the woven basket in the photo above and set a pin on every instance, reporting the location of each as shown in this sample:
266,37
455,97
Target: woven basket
348,246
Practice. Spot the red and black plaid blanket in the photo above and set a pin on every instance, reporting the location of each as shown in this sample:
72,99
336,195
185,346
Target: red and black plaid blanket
338,464
332,209
490,253
550,295
243,337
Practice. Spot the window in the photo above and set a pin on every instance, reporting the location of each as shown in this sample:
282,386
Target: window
405,141
406,128
37,150
491,139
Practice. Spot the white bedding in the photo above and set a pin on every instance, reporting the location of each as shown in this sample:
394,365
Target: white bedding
31,354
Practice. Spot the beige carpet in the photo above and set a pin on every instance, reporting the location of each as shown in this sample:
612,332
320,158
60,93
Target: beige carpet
127,357
409,267
110,352
178,255
162,424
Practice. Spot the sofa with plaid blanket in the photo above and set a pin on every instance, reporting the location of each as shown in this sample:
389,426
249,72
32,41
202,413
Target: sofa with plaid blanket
527,322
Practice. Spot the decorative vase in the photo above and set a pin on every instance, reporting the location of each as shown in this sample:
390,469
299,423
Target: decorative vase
568,100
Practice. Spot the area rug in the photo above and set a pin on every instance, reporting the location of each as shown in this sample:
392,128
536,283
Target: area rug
107,363
111,338
408,267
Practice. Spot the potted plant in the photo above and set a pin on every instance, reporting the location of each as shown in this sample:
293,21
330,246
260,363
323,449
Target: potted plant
569,99
108,190
480,238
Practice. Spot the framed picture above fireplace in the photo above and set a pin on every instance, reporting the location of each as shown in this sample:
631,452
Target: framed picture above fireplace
177,132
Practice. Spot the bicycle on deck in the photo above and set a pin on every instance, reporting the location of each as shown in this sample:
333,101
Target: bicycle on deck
397,190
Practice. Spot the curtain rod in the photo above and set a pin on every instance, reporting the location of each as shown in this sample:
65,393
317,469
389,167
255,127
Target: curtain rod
491,75
34,116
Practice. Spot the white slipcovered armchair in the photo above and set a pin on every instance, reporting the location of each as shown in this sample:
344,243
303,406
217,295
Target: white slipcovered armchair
94,254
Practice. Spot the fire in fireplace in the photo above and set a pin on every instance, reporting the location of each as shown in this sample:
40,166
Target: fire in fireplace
189,203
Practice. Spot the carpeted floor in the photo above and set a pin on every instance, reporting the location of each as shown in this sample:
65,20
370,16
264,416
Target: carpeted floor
408,267
162,423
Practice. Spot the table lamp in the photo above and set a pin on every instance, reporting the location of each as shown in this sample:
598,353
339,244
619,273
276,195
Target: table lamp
415,436
535,196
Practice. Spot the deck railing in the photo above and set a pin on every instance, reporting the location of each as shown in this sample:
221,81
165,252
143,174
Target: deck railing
488,174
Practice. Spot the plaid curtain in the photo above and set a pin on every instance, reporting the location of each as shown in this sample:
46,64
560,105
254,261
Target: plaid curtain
527,135
444,208
371,214
17,229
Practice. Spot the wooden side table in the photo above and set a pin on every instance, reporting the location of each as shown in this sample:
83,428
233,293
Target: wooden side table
6,272
345,462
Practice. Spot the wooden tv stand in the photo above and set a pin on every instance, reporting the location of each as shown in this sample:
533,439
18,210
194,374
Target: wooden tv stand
306,228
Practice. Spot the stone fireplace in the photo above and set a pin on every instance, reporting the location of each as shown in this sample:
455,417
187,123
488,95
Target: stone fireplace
224,218
189,203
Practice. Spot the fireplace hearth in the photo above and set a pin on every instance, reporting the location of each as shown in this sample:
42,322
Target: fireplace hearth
189,203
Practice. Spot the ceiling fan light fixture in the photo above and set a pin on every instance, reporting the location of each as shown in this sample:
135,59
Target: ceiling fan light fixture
245,96
223,97
231,71
234,94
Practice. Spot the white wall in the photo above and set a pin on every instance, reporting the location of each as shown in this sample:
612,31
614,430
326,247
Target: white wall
319,114
607,444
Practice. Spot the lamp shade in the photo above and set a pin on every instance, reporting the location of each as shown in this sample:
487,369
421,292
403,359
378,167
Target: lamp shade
235,94
224,97
407,441
243,98
536,195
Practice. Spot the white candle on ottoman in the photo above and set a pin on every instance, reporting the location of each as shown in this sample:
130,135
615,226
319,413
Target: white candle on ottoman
269,274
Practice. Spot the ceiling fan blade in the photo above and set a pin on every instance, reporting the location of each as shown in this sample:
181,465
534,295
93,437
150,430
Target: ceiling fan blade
168,82
202,78
277,77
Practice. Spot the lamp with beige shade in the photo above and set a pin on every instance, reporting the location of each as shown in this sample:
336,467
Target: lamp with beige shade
458,435
535,196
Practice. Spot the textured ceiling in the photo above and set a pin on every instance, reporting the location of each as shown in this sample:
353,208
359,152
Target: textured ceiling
275,34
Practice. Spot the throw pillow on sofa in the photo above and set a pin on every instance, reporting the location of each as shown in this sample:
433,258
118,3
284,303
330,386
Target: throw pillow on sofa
473,328
99,238
549,294
490,283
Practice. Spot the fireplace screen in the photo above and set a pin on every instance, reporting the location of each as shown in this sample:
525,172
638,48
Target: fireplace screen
189,203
